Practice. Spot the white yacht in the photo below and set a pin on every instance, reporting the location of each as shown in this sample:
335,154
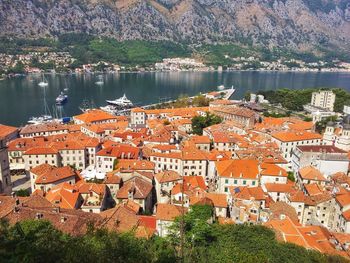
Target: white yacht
221,87
110,109
122,102
41,119
43,83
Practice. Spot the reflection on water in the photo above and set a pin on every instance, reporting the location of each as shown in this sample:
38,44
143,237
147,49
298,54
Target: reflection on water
22,97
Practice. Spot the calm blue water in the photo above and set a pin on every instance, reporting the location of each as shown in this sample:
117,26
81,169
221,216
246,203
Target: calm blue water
22,98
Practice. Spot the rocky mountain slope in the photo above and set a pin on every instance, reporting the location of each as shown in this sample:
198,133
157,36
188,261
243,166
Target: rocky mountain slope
297,24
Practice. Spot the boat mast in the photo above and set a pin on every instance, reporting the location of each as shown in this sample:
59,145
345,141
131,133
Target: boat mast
46,107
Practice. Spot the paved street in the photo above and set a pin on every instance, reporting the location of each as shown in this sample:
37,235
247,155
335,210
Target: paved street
20,182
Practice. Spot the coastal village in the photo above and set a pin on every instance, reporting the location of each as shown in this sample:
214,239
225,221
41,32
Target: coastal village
140,172
63,62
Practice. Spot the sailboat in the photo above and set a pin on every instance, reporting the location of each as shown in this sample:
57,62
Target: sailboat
100,80
46,117
43,83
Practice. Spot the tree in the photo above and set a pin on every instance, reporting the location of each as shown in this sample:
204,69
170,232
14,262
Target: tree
115,164
17,69
201,122
23,192
291,176
200,101
321,125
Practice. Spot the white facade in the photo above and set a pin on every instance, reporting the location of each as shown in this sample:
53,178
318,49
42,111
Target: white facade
5,178
323,99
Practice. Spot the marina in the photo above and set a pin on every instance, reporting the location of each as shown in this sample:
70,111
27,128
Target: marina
22,98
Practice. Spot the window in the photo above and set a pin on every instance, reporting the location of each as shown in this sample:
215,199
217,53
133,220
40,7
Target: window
244,182
253,183
226,189
226,181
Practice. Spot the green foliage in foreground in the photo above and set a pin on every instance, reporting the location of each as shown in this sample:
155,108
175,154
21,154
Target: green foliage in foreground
201,122
295,99
38,241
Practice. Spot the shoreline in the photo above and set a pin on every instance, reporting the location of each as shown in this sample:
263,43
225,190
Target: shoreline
181,71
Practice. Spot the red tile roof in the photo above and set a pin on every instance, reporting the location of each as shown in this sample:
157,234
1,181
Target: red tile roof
169,212
291,136
47,174
247,169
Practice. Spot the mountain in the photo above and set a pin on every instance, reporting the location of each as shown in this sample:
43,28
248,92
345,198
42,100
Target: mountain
303,25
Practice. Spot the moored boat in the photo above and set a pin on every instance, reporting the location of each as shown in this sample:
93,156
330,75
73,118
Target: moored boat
61,99
122,102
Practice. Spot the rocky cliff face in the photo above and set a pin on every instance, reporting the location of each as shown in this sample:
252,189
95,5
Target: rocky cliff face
297,24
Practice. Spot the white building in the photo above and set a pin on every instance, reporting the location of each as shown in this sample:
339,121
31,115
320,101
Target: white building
328,159
5,178
323,99
287,141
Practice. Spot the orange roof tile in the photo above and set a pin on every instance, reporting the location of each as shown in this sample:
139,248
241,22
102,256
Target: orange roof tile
247,169
48,174
7,130
63,195
291,136
125,164
279,188
95,116
167,176
273,170
311,173
168,212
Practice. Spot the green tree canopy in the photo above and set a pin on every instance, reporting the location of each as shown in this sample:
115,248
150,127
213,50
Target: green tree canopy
201,122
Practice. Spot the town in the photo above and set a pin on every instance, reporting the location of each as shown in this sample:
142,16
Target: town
63,62
147,169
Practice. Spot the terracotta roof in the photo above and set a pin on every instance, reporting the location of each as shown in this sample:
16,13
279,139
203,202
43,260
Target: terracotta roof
136,186
282,208
247,193
311,173
280,188
311,237
343,199
41,151
169,212
291,136
313,189
112,178
272,170
48,174
133,206
119,219
95,116
233,110
7,130
70,221
63,195
120,152
148,221
320,149
85,188
167,176
219,200
137,110
247,169
125,164
44,127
